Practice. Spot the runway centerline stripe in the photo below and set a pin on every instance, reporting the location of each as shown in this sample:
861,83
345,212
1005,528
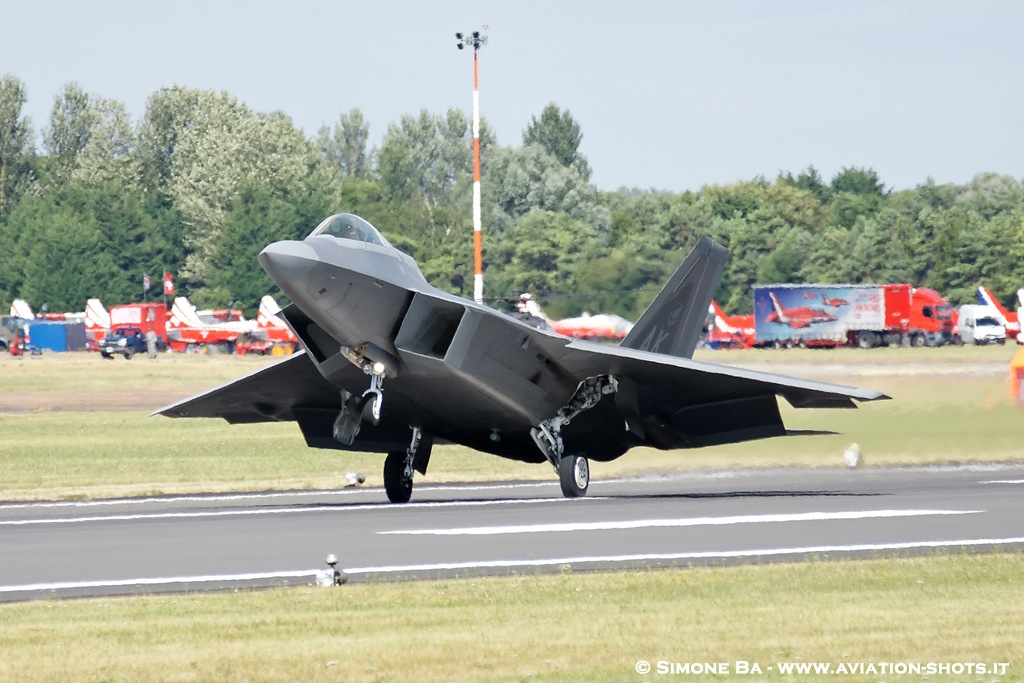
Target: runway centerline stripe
682,522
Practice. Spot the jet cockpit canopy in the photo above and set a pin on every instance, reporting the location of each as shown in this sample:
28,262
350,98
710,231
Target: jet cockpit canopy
350,227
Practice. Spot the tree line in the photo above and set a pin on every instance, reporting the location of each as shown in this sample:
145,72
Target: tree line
201,183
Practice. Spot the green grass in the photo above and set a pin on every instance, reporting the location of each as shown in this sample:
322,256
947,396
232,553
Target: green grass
562,627
953,411
544,627
87,372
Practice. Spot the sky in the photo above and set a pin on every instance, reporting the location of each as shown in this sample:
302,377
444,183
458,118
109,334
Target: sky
671,95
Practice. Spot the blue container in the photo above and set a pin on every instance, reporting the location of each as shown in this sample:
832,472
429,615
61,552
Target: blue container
57,335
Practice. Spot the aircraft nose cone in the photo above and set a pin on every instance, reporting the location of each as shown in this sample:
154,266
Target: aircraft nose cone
288,262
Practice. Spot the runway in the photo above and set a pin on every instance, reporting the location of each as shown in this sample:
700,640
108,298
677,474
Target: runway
216,542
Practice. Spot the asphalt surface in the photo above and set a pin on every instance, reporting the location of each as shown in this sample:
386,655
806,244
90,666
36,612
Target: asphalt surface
216,542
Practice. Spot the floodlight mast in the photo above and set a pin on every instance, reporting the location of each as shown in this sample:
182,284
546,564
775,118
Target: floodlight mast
476,40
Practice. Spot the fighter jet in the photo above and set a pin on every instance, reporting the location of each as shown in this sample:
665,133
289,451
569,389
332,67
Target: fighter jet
392,365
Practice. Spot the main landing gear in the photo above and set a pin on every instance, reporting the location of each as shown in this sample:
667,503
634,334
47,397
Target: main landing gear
399,466
573,469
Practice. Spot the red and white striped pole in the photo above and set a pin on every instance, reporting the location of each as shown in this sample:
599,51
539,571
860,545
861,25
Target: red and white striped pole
478,240
476,40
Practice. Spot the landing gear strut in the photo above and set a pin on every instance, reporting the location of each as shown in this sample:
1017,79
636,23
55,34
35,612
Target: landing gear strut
371,411
573,470
355,410
399,466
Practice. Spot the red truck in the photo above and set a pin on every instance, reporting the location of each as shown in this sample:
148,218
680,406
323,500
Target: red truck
144,316
855,315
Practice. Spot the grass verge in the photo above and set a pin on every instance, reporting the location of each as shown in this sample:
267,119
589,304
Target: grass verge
952,411
562,627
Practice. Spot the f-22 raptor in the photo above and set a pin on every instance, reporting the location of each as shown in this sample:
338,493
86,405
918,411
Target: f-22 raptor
392,365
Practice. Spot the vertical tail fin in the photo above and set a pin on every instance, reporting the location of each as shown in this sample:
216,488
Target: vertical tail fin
780,312
183,314
96,315
21,309
672,324
269,313
985,298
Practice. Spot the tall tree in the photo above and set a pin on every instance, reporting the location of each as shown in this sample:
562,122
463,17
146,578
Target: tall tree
16,150
560,136
427,159
345,146
109,155
540,254
811,181
168,112
199,146
257,216
526,179
72,119
858,181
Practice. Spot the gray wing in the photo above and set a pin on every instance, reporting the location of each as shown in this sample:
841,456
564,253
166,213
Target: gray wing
672,402
267,395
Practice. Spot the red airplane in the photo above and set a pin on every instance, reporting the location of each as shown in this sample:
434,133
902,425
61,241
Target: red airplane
1010,320
598,326
731,331
185,329
797,317
834,303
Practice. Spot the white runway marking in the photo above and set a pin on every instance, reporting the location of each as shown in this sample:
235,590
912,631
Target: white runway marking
232,497
244,512
166,581
506,564
665,557
1004,481
684,522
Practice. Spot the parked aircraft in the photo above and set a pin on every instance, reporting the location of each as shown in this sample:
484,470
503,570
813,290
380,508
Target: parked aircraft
185,329
730,331
797,317
268,318
21,309
458,371
598,326
97,320
1009,319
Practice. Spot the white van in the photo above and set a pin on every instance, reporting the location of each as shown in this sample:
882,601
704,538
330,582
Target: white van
980,325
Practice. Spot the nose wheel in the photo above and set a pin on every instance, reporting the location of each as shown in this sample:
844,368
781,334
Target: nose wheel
574,475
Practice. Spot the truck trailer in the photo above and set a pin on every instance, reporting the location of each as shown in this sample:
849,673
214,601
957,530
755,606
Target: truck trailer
829,315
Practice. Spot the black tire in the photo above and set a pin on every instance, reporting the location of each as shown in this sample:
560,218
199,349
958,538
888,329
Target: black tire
574,475
368,416
917,341
397,485
128,355
866,340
